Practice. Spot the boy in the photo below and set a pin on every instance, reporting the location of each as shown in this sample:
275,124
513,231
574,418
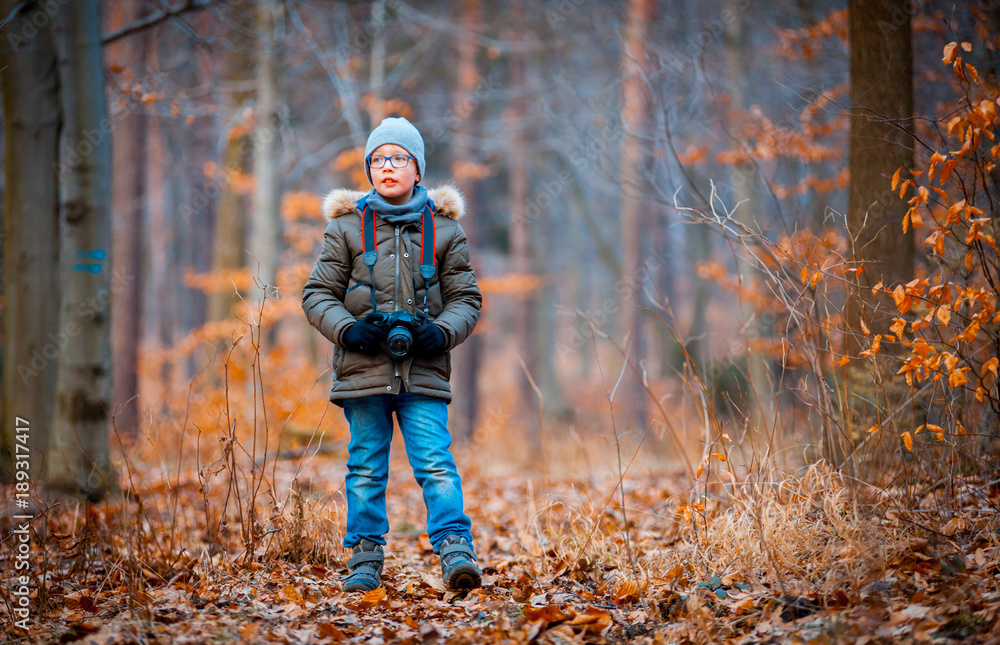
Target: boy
373,284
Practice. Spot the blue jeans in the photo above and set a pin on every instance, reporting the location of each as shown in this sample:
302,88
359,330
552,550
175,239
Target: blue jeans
423,422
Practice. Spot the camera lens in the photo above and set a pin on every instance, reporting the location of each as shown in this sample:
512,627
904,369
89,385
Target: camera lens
398,341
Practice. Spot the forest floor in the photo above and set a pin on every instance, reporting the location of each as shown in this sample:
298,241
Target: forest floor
799,558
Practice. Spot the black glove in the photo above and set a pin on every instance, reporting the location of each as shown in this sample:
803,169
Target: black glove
364,336
429,340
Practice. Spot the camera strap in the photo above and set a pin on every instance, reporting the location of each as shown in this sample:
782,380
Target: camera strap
370,249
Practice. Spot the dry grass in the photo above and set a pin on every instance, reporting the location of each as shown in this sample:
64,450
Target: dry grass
306,530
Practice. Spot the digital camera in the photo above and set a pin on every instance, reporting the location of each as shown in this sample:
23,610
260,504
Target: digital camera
399,339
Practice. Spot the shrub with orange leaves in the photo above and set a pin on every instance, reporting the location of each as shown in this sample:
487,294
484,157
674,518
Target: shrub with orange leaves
947,320
795,287
261,369
352,161
807,43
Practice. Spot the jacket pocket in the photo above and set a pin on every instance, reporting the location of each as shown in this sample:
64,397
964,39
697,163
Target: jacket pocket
361,365
350,364
438,366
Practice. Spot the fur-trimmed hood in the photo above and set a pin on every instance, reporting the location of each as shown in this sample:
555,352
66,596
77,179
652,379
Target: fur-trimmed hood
447,199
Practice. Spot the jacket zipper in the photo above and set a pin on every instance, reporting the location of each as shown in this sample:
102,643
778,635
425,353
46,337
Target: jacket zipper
395,301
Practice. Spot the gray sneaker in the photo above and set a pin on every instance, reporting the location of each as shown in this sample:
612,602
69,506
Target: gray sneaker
458,564
366,567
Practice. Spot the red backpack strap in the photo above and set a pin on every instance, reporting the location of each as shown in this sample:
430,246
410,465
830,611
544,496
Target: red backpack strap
427,259
369,242
370,247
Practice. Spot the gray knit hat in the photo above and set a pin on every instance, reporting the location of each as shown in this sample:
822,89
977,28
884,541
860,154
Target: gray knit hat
401,132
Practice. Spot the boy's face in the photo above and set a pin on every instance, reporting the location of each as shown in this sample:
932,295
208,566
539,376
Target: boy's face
395,184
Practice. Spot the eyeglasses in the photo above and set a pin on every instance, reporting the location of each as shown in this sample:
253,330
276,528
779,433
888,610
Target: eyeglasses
396,161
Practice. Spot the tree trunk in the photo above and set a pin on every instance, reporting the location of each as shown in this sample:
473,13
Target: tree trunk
159,297
78,444
696,341
229,235
520,235
265,241
187,195
881,74
376,77
758,400
31,331
635,117
815,201
542,341
130,132
467,356
665,270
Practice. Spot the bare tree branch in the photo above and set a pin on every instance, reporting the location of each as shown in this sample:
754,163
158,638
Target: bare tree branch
154,19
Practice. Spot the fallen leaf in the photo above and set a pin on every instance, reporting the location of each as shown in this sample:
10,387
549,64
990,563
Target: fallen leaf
288,593
251,632
979,557
594,620
372,598
433,582
327,630
626,590
548,613
87,604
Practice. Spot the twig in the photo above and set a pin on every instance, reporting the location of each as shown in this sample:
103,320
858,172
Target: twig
892,414
645,386
618,450
541,406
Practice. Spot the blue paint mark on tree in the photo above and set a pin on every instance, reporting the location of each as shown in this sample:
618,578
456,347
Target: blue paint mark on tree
97,255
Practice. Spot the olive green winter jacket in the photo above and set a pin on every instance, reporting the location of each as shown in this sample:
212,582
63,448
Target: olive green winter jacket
454,299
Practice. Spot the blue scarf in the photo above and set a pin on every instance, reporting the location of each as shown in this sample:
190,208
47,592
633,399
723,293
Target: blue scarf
408,213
